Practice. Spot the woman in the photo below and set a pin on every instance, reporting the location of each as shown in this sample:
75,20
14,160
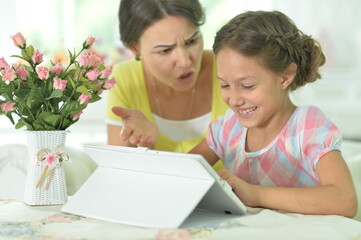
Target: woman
166,97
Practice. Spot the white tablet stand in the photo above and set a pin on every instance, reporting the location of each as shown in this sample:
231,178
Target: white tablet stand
150,189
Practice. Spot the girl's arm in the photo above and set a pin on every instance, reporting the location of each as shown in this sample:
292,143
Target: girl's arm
336,195
203,149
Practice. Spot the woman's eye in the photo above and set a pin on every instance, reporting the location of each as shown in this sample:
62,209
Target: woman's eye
164,51
248,86
192,41
224,85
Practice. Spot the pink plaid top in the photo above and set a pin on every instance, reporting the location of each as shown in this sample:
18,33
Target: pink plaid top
289,160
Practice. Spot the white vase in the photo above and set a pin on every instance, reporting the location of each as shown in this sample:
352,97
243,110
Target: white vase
45,184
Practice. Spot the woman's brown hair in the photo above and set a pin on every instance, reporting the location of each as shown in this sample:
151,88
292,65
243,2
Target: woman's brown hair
135,16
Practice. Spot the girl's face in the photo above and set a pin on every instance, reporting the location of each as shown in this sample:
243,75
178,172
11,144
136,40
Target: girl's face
257,95
171,50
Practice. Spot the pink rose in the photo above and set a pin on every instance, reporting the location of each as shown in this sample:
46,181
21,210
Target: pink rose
9,74
96,53
37,57
3,63
59,84
51,160
94,61
93,74
7,106
76,116
83,60
84,99
42,72
89,42
106,72
173,234
22,73
19,40
57,69
109,83
89,60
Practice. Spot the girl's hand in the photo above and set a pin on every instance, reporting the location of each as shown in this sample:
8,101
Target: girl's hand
241,188
136,129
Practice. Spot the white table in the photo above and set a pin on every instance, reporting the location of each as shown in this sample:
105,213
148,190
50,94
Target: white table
19,221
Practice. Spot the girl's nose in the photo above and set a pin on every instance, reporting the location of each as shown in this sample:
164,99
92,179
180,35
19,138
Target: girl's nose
235,98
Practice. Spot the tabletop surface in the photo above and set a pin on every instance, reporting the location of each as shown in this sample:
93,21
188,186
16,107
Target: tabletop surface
20,221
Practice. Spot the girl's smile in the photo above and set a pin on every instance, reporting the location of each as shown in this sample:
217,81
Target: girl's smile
256,94
246,112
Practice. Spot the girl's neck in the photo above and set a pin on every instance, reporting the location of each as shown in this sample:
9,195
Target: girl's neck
259,137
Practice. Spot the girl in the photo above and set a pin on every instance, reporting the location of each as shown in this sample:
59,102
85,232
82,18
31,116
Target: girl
278,155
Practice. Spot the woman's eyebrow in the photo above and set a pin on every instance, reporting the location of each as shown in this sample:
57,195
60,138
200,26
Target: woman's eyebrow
172,45
193,35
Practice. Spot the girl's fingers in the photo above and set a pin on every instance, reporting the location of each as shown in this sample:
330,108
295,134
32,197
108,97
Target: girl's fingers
225,174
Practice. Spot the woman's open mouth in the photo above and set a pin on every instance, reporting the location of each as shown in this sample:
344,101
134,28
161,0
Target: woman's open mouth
186,76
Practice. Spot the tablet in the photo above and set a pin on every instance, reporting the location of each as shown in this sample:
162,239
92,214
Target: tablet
150,188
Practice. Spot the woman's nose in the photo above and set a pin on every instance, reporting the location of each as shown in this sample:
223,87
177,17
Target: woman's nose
183,58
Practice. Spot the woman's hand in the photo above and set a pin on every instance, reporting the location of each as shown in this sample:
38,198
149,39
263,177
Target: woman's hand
136,129
242,189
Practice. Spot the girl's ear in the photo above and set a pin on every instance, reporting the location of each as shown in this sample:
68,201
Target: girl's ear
288,75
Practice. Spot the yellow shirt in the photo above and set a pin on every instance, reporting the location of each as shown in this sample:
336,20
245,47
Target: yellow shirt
131,92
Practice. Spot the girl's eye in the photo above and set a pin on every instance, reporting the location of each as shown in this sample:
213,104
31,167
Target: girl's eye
248,86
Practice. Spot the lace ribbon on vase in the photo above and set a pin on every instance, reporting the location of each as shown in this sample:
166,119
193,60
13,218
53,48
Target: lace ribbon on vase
51,160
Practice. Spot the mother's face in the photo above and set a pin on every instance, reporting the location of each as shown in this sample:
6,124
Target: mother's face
171,51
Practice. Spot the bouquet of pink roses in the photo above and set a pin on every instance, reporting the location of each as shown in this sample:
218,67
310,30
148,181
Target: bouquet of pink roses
50,97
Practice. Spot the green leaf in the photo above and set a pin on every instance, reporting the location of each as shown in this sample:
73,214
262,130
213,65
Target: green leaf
10,117
35,99
67,123
51,119
70,79
28,125
29,69
17,56
94,87
29,50
56,94
38,126
20,124
6,88
101,67
72,107
94,98
70,56
83,90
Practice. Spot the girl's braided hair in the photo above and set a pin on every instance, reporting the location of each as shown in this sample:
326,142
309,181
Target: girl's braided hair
275,39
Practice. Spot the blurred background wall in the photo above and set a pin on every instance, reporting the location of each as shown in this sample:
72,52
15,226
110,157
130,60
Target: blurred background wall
56,25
